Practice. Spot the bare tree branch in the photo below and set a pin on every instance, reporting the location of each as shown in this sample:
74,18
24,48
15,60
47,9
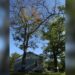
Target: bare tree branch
41,23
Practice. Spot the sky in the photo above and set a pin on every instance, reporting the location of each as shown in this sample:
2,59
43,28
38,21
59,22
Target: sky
12,45
14,48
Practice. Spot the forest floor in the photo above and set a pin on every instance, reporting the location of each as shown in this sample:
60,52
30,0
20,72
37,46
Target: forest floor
19,73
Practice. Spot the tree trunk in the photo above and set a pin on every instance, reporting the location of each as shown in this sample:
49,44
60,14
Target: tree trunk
25,44
55,61
24,60
70,35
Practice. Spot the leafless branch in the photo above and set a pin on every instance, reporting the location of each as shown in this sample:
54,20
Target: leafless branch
41,23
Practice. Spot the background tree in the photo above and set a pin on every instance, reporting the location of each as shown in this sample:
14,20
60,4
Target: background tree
55,36
13,58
